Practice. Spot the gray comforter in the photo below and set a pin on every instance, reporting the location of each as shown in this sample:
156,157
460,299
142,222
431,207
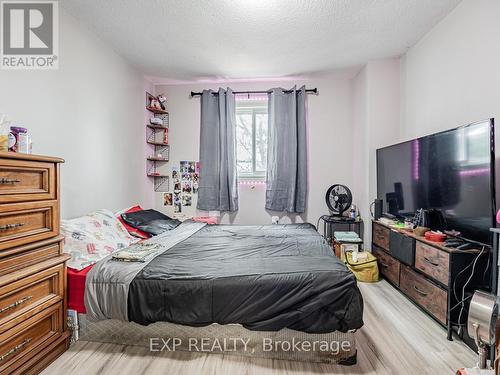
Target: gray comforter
263,277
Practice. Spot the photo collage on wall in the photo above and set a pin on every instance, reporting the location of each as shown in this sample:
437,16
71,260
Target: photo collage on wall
185,182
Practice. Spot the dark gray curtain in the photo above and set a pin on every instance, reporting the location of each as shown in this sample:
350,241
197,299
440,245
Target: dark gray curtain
218,190
287,151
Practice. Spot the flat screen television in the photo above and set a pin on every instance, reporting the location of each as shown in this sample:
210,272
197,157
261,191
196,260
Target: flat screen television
452,171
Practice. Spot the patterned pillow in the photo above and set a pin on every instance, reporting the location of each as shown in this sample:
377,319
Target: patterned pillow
92,237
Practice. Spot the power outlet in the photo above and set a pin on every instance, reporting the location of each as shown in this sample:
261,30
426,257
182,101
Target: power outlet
214,213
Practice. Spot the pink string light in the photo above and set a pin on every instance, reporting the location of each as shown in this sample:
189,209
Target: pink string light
250,182
416,159
250,97
474,172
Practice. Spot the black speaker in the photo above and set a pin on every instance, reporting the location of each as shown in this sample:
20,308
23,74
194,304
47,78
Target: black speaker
377,208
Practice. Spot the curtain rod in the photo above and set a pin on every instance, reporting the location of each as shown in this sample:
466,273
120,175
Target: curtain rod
309,91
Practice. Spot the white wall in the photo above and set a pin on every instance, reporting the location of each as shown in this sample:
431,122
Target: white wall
376,123
452,76
89,112
449,78
360,156
329,132
383,112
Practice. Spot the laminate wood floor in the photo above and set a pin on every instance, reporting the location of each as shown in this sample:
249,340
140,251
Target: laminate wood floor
397,339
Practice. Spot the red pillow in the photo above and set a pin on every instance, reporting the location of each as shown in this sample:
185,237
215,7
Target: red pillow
133,231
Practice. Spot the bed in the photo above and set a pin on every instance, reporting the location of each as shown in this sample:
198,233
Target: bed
276,282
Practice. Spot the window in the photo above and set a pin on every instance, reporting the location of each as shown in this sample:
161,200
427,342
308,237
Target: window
251,139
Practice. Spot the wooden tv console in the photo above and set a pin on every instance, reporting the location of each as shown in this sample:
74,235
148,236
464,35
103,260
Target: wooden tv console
428,273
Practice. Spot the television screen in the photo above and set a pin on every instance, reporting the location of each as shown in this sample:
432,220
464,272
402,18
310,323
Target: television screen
452,171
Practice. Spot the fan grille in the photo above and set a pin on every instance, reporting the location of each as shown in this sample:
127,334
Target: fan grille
338,199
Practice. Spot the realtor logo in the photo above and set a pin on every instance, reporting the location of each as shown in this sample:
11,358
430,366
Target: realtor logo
29,35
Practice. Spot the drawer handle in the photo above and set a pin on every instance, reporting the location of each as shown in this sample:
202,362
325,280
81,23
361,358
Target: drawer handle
11,226
15,349
384,265
4,180
431,262
420,291
15,304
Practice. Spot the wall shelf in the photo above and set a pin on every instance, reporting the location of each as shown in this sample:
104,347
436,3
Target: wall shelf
158,159
161,182
161,149
157,175
157,143
156,110
160,127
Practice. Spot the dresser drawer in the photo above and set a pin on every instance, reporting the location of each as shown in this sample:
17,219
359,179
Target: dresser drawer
381,236
20,257
433,262
402,247
23,298
29,337
23,223
388,266
43,358
24,180
428,295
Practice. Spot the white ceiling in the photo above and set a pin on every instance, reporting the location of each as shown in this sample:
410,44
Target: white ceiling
235,39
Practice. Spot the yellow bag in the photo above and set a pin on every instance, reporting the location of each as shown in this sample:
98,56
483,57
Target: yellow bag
365,270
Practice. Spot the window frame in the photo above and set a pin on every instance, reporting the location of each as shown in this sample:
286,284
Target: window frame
253,107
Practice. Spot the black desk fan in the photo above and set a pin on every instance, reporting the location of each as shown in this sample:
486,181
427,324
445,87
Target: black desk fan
338,200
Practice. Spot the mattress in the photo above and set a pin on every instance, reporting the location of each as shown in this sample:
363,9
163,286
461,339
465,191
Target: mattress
265,278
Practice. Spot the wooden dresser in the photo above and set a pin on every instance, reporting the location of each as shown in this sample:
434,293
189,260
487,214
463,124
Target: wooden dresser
428,273
33,328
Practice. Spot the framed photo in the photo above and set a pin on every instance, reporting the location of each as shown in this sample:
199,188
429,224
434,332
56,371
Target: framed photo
168,199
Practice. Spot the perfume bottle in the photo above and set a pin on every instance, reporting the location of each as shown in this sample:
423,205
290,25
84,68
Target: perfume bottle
352,212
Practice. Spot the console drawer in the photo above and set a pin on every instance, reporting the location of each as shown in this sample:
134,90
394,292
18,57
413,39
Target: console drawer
29,337
381,236
428,295
20,299
388,266
23,223
402,247
24,180
433,262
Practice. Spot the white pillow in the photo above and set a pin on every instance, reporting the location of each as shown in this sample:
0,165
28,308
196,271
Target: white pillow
92,237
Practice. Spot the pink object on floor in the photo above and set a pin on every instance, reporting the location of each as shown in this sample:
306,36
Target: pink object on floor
206,219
